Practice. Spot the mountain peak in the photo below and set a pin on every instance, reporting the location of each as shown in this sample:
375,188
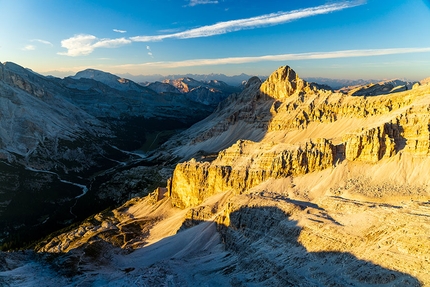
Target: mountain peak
283,83
11,66
284,73
93,74
109,79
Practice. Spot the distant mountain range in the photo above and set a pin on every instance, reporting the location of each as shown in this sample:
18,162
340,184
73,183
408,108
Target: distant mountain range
236,80
338,83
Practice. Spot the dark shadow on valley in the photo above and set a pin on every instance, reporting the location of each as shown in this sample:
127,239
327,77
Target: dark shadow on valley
261,248
266,242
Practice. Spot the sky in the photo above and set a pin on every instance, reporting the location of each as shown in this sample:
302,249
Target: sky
373,39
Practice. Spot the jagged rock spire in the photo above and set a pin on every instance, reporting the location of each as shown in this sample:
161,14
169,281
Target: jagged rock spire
283,83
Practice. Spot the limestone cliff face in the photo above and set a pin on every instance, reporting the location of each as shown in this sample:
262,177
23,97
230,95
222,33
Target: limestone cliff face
407,132
373,144
235,170
327,107
33,84
309,130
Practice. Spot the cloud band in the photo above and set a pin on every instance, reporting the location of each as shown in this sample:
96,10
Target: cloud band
250,23
284,57
81,45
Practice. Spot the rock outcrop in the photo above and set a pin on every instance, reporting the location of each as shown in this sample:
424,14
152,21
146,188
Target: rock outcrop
284,83
306,130
160,87
381,88
425,81
236,169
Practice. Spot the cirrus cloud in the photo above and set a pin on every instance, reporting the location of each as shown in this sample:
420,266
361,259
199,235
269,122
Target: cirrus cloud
32,47
84,44
251,23
42,41
282,57
201,2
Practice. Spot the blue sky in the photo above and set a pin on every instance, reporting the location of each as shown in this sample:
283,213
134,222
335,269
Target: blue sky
373,39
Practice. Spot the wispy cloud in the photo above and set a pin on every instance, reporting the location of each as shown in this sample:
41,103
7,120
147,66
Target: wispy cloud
42,41
83,44
169,31
29,48
120,31
201,2
34,47
149,51
251,23
283,57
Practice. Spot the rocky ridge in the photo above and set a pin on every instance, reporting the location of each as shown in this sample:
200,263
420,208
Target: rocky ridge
380,88
289,185
35,118
206,92
110,80
313,130
160,87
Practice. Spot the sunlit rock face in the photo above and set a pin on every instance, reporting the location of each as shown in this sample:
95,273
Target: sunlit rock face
243,166
303,130
284,83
